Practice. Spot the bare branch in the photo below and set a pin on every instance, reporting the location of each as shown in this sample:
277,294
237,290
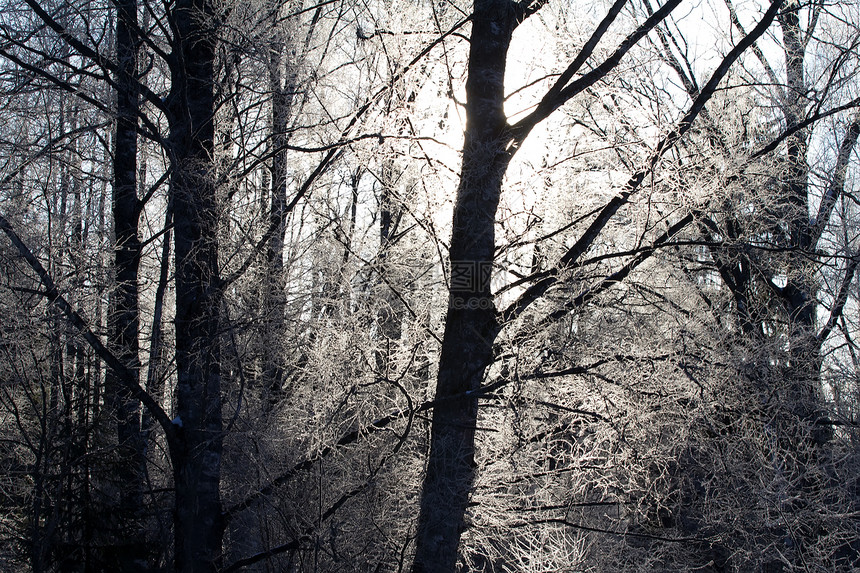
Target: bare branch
54,297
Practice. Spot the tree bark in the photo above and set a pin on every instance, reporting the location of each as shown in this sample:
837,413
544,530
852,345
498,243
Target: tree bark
471,324
124,315
799,294
197,449
274,296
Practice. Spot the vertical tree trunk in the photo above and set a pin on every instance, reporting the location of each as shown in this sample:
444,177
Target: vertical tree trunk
196,452
799,293
274,296
795,392
471,325
129,551
389,316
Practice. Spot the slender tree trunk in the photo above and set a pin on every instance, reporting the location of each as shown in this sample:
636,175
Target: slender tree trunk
197,449
130,552
389,316
471,325
274,296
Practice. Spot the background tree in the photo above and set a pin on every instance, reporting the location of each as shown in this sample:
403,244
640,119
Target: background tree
609,318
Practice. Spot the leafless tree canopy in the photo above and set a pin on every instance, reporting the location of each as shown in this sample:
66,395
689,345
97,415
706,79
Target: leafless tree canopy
429,287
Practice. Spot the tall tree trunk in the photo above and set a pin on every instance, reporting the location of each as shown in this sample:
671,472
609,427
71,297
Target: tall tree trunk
389,316
129,551
471,325
794,392
799,293
274,296
197,449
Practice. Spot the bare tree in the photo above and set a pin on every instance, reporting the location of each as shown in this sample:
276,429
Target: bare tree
622,231
473,323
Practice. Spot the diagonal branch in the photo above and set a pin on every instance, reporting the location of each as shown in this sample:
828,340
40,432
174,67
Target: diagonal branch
841,299
853,104
90,53
837,184
562,92
525,8
54,297
568,523
594,230
587,50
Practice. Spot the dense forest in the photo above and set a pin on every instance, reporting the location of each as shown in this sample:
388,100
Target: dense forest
429,286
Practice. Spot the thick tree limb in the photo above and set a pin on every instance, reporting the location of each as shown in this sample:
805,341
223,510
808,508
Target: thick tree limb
561,92
837,184
587,239
841,299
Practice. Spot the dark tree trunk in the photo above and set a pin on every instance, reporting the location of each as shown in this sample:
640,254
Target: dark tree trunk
471,325
472,322
274,297
129,550
794,393
389,316
799,293
197,448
